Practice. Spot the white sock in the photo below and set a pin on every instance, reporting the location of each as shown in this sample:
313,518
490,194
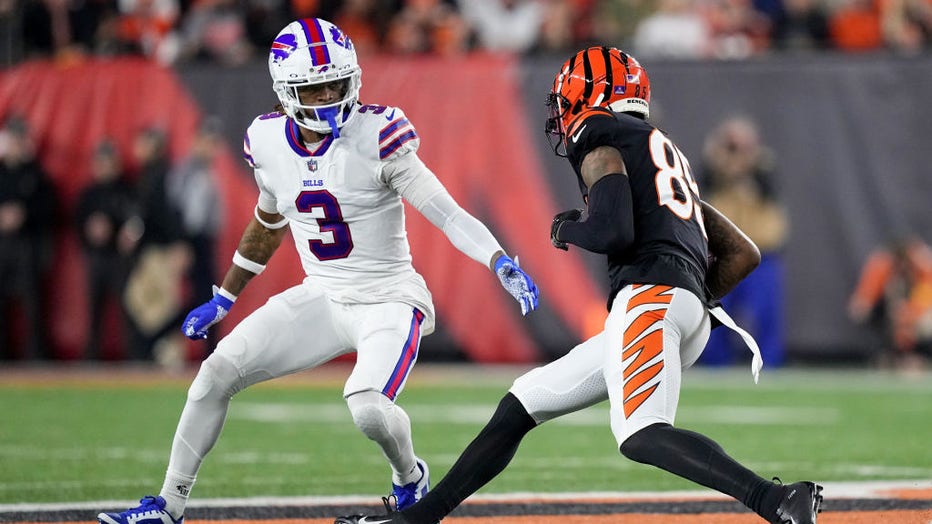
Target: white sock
175,491
411,476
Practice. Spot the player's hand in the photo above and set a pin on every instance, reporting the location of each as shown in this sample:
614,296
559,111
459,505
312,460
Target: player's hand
517,283
572,215
207,314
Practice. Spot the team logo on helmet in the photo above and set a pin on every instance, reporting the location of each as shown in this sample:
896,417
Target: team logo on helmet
283,46
340,38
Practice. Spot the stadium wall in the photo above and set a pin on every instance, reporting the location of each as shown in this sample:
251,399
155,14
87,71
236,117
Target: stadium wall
850,135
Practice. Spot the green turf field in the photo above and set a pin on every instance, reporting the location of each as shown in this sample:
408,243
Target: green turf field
94,442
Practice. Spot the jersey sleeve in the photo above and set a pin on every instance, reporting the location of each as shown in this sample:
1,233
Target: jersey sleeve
592,129
417,184
267,201
247,150
398,136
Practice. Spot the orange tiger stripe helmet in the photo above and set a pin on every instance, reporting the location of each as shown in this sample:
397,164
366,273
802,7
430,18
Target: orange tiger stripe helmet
595,77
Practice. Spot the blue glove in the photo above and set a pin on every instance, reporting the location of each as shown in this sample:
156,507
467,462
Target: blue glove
207,314
517,283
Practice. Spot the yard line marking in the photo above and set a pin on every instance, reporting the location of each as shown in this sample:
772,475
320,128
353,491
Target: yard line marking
478,414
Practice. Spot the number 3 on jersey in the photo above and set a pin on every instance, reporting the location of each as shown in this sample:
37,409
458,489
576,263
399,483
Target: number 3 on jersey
674,173
329,217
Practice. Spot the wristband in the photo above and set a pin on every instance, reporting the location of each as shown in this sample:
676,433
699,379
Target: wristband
248,265
269,225
225,294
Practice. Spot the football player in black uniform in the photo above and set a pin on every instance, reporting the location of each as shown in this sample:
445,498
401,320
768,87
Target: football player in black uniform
645,214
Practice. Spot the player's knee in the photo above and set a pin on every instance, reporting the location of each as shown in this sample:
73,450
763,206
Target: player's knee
641,445
511,417
218,377
370,410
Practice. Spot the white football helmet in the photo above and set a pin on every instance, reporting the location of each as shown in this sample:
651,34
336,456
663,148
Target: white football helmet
313,51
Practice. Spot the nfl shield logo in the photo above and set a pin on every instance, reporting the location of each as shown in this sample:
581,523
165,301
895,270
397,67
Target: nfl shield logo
312,165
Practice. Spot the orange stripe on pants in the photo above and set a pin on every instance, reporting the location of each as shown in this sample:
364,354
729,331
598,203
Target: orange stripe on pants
638,372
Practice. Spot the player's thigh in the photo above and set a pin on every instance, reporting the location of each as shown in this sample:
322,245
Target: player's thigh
646,331
387,339
292,331
570,383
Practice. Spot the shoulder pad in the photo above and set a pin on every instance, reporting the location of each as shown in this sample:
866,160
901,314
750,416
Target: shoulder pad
255,131
397,135
585,115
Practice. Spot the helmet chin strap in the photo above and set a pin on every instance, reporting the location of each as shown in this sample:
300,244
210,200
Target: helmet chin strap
330,114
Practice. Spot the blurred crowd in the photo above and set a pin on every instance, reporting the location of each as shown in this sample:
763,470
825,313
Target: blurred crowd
235,31
146,229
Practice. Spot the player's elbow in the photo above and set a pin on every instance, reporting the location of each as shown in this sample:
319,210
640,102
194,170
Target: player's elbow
748,257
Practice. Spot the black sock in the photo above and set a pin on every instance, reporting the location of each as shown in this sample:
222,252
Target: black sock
698,458
764,498
485,457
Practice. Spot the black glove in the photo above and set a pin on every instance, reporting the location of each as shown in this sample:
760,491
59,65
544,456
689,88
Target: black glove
572,215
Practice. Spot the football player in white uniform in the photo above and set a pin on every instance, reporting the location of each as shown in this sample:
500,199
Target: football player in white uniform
334,172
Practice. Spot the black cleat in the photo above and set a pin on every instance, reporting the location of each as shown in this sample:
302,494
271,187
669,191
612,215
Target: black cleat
390,517
801,503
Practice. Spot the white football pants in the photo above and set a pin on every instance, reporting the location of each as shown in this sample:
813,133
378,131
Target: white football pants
651,335
295,330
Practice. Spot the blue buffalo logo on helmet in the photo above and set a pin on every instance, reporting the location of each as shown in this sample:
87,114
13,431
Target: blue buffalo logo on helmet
283,46
340,38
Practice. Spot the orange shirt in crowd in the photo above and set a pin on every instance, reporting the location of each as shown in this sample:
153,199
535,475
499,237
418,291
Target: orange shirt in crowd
856,26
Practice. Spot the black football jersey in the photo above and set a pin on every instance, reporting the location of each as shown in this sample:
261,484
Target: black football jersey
670,244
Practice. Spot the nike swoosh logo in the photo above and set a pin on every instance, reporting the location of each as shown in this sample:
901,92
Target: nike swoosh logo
390,116
579,133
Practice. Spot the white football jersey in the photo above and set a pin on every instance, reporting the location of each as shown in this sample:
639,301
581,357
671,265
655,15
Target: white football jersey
346,220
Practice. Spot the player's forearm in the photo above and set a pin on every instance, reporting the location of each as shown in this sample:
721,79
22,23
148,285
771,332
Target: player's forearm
610,225
467,233
734,255
256,247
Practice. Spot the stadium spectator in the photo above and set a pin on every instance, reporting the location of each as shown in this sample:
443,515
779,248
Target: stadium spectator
894,296
193,192
147,27
738,177
512,26
366,20
907,24
307,8
854,26
675,30
263,19
215,30
427,26
154,292
335,174
561,25
617,20
27,219
109,227
44,28
737,30
800,25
